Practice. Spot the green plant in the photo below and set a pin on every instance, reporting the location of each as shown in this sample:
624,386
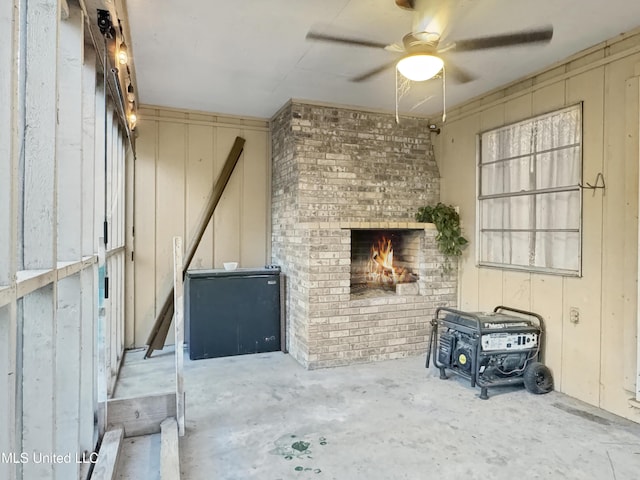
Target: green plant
447,221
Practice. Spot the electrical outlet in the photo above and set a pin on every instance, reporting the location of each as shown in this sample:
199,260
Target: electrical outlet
574,315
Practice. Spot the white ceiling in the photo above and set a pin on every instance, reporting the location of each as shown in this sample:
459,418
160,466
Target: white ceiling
249,57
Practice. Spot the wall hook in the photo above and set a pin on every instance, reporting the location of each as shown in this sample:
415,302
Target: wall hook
596,185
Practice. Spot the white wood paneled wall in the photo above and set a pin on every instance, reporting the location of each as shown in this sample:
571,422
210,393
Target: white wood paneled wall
8,237
179,156
51,153
594,359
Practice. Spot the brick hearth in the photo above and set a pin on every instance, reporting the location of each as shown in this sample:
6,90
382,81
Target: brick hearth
336,170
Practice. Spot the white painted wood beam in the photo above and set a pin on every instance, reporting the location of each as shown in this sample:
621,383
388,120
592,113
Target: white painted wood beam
141,415
88,277
11,26
7,296
38,419
67,371
106,189
40,134
69,136
7,391
69,239
15,382
631,152
88,151
98,178
107,465
66,269
130,266
108,327
100,354
169,450
8,173
88,384
38,373
28,281
633,148
178,302
88,404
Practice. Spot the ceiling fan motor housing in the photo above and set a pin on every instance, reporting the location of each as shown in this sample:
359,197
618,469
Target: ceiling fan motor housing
421,42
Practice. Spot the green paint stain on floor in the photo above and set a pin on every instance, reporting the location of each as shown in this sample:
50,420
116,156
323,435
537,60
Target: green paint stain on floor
300,450
301,446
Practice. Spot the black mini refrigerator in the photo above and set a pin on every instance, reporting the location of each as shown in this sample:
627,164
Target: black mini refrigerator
232,312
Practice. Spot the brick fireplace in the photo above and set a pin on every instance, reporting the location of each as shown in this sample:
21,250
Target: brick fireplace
343,180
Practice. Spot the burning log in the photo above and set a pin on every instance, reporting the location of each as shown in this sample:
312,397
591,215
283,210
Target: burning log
381,263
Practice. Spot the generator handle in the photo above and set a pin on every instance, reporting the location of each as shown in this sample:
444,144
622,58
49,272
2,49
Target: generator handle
457,312
470,315
522,312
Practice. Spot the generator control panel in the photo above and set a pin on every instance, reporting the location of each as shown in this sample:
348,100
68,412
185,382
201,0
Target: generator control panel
509,341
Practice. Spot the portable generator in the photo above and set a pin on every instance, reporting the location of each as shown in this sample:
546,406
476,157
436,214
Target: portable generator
500,348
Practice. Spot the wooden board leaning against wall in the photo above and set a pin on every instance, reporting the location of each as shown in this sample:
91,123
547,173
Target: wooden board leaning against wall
179,156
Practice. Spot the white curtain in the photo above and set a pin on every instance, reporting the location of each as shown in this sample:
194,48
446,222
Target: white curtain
519,226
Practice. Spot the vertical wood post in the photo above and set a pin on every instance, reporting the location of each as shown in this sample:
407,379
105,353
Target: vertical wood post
69,239
100,343
39,312
178,301
88,405
9,112
633,150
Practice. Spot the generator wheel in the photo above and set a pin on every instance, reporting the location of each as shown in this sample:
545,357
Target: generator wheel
537,378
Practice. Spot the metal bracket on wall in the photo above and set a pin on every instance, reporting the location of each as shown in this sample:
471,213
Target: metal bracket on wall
596,185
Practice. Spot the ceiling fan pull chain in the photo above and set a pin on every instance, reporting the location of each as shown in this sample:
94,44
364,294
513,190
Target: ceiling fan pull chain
444,95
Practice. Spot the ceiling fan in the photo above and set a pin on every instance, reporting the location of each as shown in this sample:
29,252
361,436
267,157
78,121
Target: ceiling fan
422,56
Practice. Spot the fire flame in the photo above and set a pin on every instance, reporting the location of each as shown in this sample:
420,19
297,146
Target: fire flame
381,268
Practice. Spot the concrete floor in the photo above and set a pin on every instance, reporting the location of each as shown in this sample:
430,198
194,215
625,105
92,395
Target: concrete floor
264,416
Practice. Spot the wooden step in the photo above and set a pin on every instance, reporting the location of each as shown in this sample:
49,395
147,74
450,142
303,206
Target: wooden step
106,467
169,450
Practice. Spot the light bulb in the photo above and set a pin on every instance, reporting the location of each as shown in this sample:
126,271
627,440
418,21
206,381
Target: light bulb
123,56
420,66
133,118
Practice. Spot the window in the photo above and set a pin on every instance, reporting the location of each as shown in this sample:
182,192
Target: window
529,198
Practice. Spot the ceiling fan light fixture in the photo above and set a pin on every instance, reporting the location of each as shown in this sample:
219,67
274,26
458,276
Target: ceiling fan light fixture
419,66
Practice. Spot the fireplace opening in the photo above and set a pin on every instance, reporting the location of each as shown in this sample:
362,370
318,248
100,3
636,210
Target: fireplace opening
383,260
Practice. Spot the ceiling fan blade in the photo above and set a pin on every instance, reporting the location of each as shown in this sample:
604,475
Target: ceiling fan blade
344,40
505,40
375,71
459,75
395,48
406,4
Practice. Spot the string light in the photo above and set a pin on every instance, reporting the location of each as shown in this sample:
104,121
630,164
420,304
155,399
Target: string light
133,118
123,55
131,96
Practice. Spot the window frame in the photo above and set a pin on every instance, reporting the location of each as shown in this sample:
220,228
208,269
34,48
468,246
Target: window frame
573,188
